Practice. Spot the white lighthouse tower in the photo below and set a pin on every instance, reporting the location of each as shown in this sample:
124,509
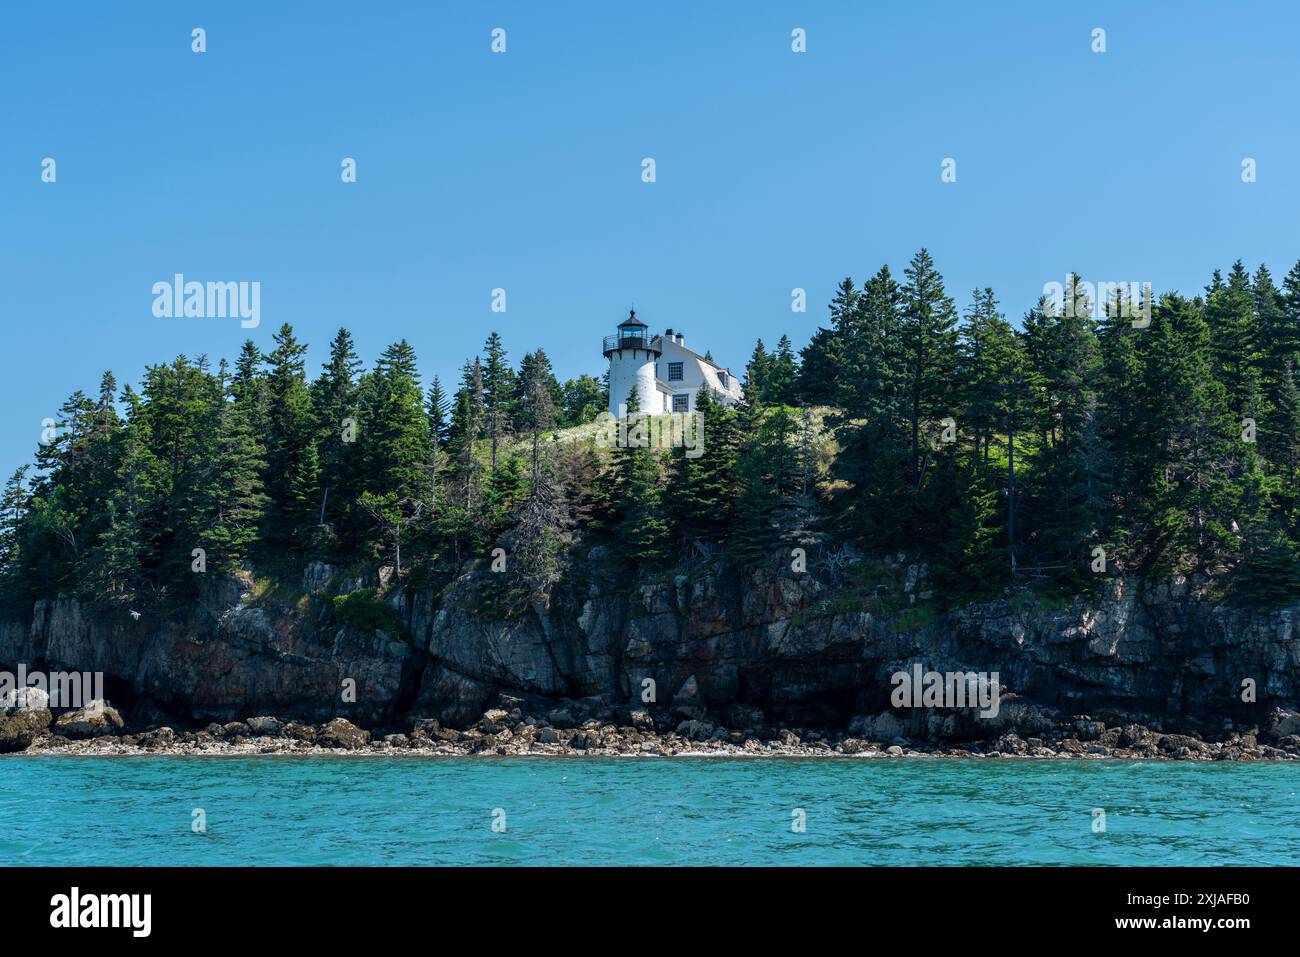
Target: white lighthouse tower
632,354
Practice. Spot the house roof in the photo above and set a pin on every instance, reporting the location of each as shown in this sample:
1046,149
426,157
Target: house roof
695,355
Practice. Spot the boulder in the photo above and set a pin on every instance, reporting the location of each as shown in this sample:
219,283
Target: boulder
1282,722
342,733
641,719
19,728
264,725
693,730
300,731
95,719
25,699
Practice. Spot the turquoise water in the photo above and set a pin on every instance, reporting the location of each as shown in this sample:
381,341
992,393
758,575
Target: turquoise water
373,811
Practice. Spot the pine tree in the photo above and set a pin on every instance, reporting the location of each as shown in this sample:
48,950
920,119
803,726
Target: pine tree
436,409
641,530
535,368
118,565
765,477
820,370
1191,490
335,414
1068,495
13,513
1235,337
701,495
395,449
872,364
466,430
783,374
237,501
290,429
498,395
930,346
757,374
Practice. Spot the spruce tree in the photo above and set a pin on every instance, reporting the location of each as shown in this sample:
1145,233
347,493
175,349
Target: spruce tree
930,346
290,429
498,395
783,374
641,529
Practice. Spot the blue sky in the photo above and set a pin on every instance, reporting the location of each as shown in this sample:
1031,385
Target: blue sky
523,170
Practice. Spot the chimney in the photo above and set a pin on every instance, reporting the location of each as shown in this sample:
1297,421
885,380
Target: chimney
681,339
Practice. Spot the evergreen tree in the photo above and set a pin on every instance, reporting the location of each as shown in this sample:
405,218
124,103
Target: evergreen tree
818,369
237,500
641,530
1235,340
757,375
460,524
701,485
783,374
498,394
765,477
872,365
13,512
930,345
335,414
395,449
290,429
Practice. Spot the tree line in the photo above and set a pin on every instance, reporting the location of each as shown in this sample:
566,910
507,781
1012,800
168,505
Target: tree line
1053,454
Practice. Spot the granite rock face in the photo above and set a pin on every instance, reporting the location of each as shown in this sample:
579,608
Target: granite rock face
740,647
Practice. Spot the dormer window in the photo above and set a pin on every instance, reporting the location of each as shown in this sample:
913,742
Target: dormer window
722,379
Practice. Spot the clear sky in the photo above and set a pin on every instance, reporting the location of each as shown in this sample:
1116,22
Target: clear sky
522,170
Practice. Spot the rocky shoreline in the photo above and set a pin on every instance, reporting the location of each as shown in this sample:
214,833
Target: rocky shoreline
99,731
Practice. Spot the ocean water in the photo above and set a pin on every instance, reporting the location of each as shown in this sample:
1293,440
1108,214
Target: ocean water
683,811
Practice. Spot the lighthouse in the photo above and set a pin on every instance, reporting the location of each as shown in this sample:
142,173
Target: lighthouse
632,353
667,376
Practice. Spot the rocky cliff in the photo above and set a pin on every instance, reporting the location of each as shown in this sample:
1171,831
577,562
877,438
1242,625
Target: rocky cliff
743,647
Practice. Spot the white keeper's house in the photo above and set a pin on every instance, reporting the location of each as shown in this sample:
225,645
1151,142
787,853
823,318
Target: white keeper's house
666,374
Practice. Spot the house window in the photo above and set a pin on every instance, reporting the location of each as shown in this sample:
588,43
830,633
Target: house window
674,372
681,403
722,380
